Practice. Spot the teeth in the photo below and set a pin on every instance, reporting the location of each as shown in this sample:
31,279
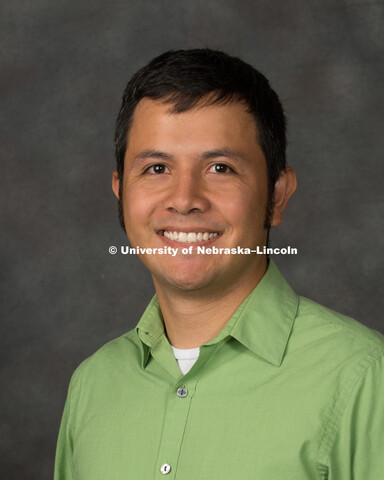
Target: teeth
190,237
182,237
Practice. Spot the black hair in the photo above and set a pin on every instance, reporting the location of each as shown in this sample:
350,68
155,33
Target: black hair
184,78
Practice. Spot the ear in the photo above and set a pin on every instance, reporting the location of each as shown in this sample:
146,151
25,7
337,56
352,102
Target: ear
115,184
284,188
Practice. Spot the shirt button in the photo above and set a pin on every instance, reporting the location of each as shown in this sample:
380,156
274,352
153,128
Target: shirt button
182,392
164,469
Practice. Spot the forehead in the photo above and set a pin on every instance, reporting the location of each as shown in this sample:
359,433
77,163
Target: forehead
205,125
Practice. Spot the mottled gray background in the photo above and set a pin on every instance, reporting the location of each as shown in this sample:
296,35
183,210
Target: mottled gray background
64,67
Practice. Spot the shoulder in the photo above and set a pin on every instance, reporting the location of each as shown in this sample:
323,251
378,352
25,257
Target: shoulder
109,359
332,346
322,323
346,363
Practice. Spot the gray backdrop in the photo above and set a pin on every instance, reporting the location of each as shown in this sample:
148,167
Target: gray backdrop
64,67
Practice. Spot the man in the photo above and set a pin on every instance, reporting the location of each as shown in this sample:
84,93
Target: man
229,374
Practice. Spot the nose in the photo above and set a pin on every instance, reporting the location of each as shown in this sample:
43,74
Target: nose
187,194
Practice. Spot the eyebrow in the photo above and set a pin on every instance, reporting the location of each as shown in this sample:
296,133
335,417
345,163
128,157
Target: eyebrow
210,154
153,154
224,152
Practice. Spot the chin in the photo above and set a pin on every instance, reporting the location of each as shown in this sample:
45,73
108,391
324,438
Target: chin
185,279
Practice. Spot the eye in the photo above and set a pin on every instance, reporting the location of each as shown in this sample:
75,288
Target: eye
156,169
221,168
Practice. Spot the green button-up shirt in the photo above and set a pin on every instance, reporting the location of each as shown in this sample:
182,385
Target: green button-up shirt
288,390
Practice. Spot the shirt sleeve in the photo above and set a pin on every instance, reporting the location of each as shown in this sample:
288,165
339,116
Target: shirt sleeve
358,450
63,461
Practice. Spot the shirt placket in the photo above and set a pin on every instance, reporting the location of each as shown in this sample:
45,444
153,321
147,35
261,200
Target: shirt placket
175,421
177,411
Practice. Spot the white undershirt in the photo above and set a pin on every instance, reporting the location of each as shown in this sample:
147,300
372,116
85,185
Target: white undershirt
186,357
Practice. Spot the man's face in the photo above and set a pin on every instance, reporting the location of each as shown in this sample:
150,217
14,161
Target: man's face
201,174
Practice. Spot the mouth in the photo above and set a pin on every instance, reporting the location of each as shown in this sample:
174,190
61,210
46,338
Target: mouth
189,237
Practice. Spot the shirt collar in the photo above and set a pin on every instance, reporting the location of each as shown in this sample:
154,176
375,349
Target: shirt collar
150,327
262,323
265,324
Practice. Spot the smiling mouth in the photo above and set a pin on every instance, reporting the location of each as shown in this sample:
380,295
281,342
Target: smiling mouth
189,237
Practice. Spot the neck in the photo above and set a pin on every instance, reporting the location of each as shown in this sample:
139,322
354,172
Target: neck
192,318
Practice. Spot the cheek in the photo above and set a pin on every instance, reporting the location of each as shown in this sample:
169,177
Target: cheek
137,205
246,207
